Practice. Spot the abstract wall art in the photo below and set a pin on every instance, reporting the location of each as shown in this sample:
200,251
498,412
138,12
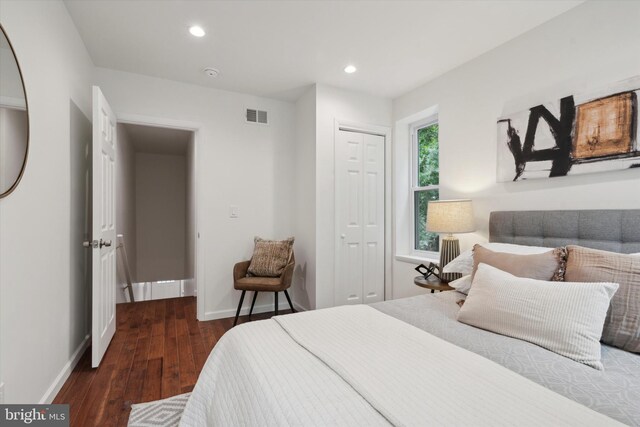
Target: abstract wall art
576,134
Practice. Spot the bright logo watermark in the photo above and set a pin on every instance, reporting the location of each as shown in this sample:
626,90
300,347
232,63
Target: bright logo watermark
34,415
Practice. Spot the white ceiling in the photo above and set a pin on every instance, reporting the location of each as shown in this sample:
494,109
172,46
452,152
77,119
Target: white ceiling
156,140
275,48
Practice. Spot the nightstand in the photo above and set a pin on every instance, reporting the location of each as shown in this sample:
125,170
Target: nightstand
434,284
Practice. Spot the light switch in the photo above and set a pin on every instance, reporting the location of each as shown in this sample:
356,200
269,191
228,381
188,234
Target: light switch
233,211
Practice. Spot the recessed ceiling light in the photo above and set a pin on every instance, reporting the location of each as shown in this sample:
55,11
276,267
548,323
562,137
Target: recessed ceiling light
197,31
349,69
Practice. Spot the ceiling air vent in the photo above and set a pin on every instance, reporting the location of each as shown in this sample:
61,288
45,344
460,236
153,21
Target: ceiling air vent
257,116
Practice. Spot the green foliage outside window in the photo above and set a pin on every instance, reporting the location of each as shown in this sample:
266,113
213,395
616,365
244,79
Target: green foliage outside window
428,175
428,159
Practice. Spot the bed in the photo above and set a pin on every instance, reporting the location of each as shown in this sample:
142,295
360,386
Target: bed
375,365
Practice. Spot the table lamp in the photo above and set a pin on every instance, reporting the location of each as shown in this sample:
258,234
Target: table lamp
449,216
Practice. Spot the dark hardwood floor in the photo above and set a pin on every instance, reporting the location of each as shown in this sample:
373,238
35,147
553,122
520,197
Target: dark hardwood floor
158,351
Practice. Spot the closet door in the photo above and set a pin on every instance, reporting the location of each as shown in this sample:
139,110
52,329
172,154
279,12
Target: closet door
373,219
359,207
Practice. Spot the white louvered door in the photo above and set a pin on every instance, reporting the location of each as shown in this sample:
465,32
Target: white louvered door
104,227
359,206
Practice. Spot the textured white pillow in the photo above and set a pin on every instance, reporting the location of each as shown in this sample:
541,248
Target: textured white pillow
564,317
463,263
462,284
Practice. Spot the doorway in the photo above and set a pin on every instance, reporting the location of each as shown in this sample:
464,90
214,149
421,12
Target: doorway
155,213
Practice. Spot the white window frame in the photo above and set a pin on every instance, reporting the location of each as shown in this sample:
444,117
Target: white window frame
414,128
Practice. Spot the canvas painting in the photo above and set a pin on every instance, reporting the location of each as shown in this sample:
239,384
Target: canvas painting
573,135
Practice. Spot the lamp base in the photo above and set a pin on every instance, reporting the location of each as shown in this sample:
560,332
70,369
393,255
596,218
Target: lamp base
450,249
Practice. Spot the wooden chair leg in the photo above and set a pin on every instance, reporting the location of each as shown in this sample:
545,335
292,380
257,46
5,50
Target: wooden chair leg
255,295
286,294
276,303
239,307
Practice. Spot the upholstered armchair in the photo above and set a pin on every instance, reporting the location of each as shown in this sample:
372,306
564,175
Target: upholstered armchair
245,283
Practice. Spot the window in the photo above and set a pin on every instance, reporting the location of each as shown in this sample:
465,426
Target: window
425,182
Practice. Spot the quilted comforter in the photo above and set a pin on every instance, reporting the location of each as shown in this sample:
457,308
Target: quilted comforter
355,365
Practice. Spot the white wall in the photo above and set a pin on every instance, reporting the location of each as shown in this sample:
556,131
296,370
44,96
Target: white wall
586,48
246,165
304,279
161,216
39,312
336,104
126,206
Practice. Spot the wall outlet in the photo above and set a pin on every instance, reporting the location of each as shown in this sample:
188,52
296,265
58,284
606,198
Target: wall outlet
234,211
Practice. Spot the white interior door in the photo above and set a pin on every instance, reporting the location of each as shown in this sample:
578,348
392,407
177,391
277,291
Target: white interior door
373,219
104,227
359,209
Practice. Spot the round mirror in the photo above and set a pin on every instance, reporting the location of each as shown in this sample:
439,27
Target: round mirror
14,119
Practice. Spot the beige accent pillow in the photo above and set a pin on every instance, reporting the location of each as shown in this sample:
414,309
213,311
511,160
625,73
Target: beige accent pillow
463,263
270,257
622,326
565,318
545,266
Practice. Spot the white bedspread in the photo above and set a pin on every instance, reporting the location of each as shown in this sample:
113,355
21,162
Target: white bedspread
354,365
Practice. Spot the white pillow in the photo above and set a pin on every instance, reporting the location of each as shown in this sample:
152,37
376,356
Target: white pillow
463,264
462,284
564,317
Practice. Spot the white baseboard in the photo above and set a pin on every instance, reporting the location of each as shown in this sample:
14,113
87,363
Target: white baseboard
65,372
222,314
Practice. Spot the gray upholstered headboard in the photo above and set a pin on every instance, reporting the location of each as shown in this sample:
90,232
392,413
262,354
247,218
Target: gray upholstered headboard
611,230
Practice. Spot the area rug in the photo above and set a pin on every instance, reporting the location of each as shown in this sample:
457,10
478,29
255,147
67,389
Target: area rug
159,413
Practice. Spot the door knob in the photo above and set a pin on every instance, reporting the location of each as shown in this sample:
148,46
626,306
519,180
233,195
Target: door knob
91,243
96,243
